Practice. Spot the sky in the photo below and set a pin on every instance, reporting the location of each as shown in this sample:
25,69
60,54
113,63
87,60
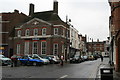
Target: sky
90,17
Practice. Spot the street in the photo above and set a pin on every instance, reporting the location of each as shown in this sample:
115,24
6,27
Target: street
87,69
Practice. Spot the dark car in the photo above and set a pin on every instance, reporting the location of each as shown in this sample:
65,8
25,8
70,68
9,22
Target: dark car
28,60
75,59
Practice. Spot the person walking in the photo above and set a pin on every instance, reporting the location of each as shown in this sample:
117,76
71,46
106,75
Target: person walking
101,58
61,61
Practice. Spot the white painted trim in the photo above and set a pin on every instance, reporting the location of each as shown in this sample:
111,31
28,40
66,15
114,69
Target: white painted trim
33,47
4,21
4,32
4,44
61,26
45,49
45,31
17,28
37,20
46,36
54,48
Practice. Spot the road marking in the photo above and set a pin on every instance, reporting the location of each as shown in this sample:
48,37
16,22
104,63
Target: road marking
62,77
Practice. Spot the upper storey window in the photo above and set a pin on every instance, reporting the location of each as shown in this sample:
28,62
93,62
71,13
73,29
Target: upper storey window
19,33
44,31
35,32
27,32
55,31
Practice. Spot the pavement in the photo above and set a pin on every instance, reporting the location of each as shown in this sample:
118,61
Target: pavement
105,65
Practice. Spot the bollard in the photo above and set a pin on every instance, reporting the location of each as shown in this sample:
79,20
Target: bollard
106,73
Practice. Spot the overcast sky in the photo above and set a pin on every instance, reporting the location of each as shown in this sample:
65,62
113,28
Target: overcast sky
90,17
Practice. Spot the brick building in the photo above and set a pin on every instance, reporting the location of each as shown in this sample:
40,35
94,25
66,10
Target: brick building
114,30
8,21
83,44
45,34
95,47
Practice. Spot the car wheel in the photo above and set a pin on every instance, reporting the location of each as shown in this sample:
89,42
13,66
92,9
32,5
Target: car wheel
34,63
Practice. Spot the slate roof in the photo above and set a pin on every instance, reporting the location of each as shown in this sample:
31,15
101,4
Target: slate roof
46,15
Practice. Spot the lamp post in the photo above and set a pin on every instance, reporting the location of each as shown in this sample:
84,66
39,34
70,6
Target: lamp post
67,33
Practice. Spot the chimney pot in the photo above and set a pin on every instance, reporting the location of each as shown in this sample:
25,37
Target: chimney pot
55,6
31,9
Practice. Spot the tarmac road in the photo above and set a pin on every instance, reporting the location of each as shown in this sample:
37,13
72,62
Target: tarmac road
87,69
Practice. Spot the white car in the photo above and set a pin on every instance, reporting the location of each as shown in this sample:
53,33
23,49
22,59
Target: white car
4,60
45,61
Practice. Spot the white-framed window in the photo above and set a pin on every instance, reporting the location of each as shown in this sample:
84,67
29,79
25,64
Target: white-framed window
43,31
18,49
26,47
55,31
27,32
35,32
35,47
19,33
55,48
43,47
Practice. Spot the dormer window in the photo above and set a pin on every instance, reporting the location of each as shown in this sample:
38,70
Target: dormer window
27,32
35,32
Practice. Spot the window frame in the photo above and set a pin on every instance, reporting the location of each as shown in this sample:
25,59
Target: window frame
18,49
35,32
55,31
45,48
27,32
55,49
19,33
44,31
26,47
34,49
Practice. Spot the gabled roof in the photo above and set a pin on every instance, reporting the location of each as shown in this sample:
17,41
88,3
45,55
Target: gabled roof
46,15
35,19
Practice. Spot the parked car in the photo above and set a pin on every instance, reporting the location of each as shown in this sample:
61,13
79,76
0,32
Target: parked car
55,59
15,61
28,60
91,57
82,59
85,58
48,57
96,56
4,61
75,59
36,56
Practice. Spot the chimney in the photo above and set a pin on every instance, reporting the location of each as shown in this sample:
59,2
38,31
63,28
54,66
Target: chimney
97,40
31,9
16,11
55,6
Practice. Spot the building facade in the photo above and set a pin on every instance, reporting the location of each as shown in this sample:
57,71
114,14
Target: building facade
83,45
95,47
114,33
44,33
74,40
8,21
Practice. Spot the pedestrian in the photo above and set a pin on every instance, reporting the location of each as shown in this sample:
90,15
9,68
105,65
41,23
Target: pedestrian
61,60
101,58
14,61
